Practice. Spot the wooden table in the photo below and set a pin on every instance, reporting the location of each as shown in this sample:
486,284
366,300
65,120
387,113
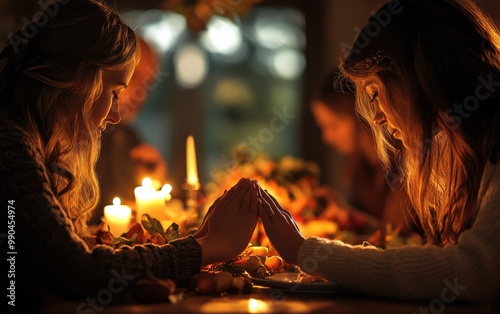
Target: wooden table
265,300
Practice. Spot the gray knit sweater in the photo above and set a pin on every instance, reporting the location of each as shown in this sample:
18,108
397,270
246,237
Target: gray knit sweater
469,270
50,256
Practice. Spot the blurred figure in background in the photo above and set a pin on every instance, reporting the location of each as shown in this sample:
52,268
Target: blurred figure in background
366,185
125,160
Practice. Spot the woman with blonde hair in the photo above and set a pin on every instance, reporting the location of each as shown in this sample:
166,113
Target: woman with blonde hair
367,186
59,89
427,73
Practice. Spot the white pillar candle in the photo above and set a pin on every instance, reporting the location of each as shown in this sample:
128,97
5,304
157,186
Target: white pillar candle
150,201
117,217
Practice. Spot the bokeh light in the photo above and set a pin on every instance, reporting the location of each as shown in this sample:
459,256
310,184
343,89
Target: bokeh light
191,65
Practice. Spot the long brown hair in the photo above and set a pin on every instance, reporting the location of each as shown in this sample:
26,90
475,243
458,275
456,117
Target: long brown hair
442,59
49,82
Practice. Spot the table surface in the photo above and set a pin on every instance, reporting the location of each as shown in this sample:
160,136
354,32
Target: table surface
268,301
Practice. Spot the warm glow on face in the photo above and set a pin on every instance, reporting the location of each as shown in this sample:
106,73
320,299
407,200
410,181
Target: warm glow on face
258,306
338,130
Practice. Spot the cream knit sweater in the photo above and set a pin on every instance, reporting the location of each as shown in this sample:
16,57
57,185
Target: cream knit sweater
469,270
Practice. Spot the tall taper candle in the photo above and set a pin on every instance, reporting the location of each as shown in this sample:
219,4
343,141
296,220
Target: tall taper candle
191,167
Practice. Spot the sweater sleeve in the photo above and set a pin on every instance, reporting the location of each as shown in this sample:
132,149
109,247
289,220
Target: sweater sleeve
52,252
469,270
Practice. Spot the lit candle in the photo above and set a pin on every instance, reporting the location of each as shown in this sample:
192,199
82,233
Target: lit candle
117,217
192,169
150,201
166,189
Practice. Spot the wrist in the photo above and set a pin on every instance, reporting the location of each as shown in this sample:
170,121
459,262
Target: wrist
297,247
205,252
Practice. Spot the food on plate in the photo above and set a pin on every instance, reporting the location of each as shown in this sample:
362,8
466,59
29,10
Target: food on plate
274,263
260,251
254,267
297,277
219,282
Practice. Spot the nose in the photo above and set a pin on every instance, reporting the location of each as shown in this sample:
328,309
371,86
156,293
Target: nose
114,116
380,117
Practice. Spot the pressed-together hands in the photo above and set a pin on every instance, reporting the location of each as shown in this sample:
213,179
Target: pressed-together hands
280,227
229,223
231,220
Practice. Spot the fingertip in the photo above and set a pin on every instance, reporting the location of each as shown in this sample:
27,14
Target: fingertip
254,185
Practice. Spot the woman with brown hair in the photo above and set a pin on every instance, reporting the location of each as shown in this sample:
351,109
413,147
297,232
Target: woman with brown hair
59,89
427,73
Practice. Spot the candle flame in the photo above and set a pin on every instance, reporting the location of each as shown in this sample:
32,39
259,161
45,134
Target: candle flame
116,201
147,182
257,306
167,188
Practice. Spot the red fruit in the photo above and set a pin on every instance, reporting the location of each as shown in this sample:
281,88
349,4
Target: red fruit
136,228
104,237
274,263
223,281
156,238
203,283
142,238
153,291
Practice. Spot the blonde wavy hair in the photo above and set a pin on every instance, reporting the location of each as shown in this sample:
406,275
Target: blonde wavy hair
49,84
432,56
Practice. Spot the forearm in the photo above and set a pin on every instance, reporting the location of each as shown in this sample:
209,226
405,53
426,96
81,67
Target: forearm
416,272
58,259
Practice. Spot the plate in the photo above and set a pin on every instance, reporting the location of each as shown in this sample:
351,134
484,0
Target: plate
291,282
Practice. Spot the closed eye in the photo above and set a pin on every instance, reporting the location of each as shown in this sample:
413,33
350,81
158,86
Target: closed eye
374,97
115,96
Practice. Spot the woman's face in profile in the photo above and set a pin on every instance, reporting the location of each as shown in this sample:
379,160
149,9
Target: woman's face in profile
105,108
384,116
338,131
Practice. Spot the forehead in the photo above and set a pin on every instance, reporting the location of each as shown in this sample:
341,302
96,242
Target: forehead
119,76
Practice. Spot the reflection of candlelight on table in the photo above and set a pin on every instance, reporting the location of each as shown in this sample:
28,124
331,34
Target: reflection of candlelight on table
150,201
258,306
117,217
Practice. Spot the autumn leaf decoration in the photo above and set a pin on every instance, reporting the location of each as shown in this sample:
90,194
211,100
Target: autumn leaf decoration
150,230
